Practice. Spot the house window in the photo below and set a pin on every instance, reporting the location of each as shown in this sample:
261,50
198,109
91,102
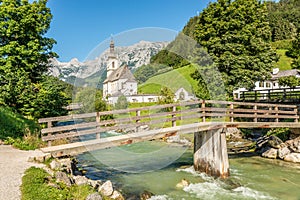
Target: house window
268,85
261,84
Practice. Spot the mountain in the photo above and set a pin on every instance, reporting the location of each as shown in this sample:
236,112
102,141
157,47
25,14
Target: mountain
89,71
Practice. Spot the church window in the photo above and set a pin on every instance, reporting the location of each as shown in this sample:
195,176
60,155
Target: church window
113,65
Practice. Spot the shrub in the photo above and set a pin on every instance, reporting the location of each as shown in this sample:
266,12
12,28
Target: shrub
282,133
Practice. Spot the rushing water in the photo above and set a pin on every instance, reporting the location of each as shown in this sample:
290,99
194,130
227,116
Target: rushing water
162,166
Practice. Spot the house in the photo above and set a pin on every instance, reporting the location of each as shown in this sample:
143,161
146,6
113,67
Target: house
119,80
272,83
182,95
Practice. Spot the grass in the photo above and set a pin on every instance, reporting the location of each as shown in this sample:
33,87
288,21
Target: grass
15,125
150,88
284,62
173,79
18,131
35,186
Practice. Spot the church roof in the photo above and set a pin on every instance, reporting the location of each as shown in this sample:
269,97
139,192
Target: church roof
122,72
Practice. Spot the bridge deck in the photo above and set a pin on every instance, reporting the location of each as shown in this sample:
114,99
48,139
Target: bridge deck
81,147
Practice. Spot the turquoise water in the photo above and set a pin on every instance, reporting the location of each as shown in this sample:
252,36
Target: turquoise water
157,167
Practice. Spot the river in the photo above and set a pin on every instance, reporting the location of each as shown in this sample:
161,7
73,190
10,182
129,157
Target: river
157,167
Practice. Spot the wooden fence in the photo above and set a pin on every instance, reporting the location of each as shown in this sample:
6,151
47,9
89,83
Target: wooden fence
271,95
163,116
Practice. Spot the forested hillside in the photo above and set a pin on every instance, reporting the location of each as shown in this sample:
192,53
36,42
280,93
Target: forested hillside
244,38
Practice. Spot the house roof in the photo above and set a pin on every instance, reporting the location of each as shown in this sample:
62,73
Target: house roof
122,72
182,89
284,73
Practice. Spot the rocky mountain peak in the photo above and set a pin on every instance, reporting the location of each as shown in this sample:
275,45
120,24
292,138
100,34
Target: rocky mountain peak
134,56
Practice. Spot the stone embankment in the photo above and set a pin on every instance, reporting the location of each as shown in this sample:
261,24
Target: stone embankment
273,147
65,171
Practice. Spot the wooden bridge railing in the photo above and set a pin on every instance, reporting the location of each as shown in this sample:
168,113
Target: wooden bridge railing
163,116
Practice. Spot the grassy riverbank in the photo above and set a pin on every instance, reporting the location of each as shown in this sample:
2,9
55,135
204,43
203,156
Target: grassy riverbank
36,185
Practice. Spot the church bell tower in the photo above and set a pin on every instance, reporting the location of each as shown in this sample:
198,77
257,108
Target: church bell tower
113,62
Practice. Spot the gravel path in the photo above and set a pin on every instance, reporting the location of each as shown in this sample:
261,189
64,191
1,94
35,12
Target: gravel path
13,163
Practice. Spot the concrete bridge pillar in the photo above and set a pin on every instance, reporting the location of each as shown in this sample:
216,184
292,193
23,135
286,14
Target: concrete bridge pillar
210,153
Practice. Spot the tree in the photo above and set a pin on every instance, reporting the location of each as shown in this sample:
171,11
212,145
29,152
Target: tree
283,18
294,52
48,99
24,50
166,96
289,81
122,103
91,99
236,35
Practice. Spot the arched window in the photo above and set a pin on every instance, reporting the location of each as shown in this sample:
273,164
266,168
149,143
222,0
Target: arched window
113,65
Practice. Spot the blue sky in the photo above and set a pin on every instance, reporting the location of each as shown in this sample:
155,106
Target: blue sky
79,26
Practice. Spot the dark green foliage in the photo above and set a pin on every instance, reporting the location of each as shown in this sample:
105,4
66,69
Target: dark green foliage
236,35
282,133
284,19
294,52
35,187
289,81
209,84
46,98
143,73
122,103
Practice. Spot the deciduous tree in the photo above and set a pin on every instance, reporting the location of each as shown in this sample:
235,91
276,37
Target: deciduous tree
24,50
236,35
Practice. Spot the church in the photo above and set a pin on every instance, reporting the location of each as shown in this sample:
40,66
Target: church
119,80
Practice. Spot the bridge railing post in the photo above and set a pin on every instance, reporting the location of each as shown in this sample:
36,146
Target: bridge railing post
203,111
98,122
255,97
255,114
276,114
173,116
296,114
49,125
231,113
137,114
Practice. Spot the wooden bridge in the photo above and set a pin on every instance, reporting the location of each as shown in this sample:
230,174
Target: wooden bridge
208,121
